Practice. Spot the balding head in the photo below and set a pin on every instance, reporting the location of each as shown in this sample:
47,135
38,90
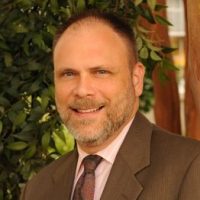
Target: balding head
117,24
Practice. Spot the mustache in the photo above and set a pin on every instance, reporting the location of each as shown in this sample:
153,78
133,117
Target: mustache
86,104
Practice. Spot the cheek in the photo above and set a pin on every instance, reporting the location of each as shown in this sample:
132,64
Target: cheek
62,93
121,84
111,90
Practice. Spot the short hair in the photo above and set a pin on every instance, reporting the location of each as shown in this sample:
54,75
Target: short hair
118,24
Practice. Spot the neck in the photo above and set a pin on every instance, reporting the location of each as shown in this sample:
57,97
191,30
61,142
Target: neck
92,149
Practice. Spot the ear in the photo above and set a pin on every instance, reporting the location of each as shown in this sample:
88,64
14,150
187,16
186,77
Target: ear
138,78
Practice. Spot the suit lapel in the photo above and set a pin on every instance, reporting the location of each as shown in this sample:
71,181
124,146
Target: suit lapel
132,158
63,177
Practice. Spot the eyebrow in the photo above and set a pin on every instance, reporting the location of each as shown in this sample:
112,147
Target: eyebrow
100,67
63,69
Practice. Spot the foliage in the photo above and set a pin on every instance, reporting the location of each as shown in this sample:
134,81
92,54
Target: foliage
31,134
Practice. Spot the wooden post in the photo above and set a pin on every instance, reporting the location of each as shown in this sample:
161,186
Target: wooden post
192,72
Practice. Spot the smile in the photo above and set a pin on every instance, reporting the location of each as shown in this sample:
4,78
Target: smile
85,111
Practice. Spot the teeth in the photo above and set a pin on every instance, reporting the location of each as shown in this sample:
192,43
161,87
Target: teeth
88,111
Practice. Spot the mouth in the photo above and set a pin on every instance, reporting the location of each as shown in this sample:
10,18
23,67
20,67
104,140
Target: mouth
88,110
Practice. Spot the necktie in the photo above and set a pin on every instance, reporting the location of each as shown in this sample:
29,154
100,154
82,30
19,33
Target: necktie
84,189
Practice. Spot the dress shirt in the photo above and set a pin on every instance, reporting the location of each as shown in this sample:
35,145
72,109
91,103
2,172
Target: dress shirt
108,155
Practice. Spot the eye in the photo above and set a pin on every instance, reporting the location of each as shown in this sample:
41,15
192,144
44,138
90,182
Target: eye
69,73
102,71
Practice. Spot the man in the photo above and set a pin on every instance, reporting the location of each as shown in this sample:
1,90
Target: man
98,81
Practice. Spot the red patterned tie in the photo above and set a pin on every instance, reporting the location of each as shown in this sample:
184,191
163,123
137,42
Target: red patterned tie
84,189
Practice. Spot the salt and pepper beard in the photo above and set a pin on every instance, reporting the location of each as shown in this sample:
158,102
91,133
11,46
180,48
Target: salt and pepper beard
117,115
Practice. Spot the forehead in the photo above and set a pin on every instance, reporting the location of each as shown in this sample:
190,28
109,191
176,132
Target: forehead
90,44
90,32
87,24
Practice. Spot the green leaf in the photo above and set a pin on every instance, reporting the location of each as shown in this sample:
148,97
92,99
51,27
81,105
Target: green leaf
35,86
50,150
54,5
25,3
36,114
3,176
1,127
39,41
152,4
20,118
4,102
19,28
44,118
54,156
26,44
51,91
142,29
44,102
1,37
45,140
8,60
91,2
162,76
44,4
59,143
162,21
34,66
160,7
168,49
1,194
17,146
137,2
19,105
167,64
30,151
12,116
146,39
69,139
144,54
1,147
150,46
148,15
81,5
155,56
139,43
3,45
51,29
27,136
66,11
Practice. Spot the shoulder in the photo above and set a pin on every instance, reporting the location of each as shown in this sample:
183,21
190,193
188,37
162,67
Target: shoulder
42,185
163,139
172,147
58,166
177,158
165,147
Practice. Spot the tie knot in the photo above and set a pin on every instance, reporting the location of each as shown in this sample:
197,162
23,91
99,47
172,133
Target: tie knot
91,162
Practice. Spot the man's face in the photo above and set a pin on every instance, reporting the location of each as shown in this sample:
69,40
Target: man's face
96,93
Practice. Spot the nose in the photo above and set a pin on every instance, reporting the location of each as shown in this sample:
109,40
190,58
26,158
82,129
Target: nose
84,87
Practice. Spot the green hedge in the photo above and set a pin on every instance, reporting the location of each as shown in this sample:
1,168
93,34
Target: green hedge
31,134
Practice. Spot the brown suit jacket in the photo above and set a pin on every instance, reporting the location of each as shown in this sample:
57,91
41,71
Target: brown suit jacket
150,165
